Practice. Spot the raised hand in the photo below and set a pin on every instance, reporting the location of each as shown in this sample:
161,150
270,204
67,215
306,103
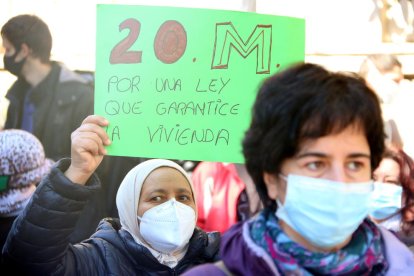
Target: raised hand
88,148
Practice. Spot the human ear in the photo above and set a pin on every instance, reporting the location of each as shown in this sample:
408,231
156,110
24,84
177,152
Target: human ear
24,52
271,181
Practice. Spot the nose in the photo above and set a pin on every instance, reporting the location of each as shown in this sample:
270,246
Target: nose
337,173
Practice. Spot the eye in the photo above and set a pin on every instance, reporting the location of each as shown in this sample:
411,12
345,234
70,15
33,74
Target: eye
183,198
156,198
315,165
392,181
355,165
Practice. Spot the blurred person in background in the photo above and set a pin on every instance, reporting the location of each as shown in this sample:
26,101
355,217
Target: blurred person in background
49,101
155,235
393,198
225,195
22,166
314,140
384,74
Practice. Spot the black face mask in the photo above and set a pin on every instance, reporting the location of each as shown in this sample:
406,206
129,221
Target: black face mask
13,67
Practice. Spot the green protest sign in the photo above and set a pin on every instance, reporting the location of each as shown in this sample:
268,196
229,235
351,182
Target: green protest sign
179,83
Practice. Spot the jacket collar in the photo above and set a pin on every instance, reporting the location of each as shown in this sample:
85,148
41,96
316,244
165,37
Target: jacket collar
46,87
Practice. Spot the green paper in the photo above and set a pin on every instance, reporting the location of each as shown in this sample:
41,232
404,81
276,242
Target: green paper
179,83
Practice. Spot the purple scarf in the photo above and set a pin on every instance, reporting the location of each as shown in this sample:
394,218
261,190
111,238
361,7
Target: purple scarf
364,255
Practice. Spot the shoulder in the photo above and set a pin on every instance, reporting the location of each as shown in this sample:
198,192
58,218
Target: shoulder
108,240
237,245
400,258
205,269
73,83
17,89
107,229
67,75
206,242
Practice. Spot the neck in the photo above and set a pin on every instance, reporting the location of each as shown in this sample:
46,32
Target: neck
306,244
34,71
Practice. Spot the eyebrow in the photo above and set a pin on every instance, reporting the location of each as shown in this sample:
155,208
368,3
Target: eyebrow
180,190
159,191
323,155
391,177
183,190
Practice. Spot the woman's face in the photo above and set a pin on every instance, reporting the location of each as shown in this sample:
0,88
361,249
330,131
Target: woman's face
343,157
388,171
163,184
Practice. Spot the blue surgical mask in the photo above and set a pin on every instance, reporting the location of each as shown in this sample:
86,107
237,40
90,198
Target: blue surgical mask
393,223
324,212
386,200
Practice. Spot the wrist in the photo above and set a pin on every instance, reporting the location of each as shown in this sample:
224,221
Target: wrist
77,176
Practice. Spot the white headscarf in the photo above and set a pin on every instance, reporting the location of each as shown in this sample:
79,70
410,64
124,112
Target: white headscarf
127,200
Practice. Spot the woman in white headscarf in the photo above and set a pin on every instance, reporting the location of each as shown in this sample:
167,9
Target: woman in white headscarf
167,226
156,234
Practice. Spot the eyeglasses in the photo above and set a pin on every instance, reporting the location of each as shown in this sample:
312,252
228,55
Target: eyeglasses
4,182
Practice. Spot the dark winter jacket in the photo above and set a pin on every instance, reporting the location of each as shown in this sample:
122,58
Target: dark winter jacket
61,101
39,244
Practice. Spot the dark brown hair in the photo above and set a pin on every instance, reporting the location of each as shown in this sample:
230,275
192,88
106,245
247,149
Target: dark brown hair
303,102
32,31
406,178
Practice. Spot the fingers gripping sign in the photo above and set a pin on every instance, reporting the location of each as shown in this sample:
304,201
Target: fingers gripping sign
88,148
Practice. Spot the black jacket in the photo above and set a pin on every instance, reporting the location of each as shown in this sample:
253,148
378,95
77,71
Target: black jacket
39,244
61,101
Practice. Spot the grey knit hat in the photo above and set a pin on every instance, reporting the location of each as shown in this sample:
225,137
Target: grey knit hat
22,166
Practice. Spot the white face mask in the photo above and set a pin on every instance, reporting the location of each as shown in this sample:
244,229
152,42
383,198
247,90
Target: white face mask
168,227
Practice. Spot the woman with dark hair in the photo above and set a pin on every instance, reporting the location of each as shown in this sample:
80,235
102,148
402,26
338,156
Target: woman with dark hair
393,200
313,142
